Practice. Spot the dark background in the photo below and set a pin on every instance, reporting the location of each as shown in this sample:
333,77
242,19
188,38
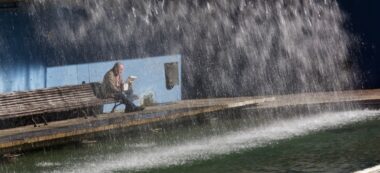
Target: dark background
363,20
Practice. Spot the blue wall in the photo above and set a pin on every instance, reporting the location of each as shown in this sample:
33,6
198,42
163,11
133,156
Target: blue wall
20,76
150,73
24,64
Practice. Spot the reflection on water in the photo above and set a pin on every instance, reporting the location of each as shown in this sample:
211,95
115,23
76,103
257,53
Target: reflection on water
319,142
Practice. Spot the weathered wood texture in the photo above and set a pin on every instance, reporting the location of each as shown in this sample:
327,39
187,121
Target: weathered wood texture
28,136
19,104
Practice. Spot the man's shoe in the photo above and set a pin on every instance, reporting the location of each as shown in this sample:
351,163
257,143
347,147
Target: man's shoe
139,108
126,110
135,109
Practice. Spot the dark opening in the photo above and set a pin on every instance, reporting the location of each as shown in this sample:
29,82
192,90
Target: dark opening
171,75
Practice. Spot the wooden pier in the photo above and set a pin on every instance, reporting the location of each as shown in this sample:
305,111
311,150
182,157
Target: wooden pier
27,137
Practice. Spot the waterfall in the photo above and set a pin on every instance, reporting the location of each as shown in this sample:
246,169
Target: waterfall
230,48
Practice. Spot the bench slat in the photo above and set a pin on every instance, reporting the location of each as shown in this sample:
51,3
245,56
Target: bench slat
28,105
49,110
20,95
57,99
47,98
64,88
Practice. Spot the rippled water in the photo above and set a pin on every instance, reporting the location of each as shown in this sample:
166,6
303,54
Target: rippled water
327,142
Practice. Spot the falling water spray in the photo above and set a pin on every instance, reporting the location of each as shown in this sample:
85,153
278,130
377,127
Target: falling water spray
230,48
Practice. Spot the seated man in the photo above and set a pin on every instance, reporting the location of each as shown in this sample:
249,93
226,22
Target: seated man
113,86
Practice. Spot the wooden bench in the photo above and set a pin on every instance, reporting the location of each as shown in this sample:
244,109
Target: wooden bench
51,100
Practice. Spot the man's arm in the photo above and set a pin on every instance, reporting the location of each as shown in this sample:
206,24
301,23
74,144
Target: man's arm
121,84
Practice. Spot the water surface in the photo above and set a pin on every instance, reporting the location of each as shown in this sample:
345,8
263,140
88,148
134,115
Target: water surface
325,142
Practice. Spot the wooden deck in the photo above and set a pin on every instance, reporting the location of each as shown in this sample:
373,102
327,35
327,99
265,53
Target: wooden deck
28,136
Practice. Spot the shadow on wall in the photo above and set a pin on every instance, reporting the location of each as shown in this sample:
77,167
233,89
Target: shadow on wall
21,68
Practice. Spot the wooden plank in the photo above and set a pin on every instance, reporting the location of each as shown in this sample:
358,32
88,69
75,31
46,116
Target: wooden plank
61,91
48,98
68,87
155,110
80,126
31,105
48,109
38,95
26,103
17,137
